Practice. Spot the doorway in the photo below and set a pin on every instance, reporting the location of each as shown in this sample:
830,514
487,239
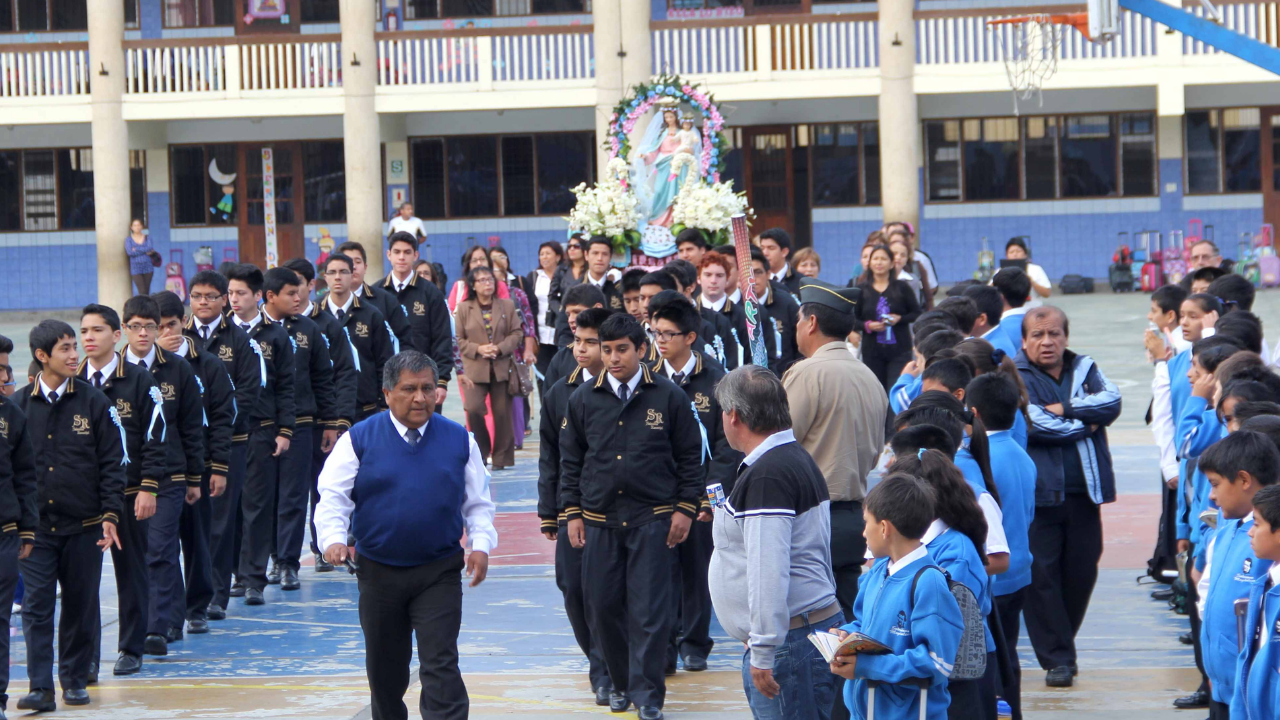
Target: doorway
287,170
768,176
1270,136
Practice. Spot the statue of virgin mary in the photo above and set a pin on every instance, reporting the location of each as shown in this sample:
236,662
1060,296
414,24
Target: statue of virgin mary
651,177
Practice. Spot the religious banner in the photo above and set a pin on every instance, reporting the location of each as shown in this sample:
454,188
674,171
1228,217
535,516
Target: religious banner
269,207
750,305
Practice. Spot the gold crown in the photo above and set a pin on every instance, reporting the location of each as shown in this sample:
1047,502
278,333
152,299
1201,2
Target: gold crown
668,102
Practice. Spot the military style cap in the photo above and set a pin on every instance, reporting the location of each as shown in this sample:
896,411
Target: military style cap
842,299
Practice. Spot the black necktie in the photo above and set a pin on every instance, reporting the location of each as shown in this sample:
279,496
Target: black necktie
97,378
142,364
53,397
244,326
204,333
413,435
341,314
677,378
624,390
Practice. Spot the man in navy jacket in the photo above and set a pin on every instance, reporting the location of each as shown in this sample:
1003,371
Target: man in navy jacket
1071,403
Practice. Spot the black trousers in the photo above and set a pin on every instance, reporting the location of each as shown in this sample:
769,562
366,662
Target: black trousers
193,531
1193,614
133,583
73,562
317,464
257,506
224,510
886,361
292,495
1066,544
569,580
9,547
167,595
848,553
1219,711
397,603
627,587
1009,609
691,596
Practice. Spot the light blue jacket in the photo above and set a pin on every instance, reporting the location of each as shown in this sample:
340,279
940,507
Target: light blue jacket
1015,477
1256,694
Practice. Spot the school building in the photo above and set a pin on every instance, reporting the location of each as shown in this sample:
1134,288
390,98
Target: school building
485,113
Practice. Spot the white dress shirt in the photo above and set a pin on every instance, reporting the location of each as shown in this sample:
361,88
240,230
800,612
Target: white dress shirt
203,330
338,478
598,283
907,559
542,291
1163,424
414,226
716,305
345,307
689,365
398,283
736,296
182,349
62,389
106,370
257,318
632,384
150,359
781,274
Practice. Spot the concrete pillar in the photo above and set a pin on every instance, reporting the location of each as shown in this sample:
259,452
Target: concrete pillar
360,132
623,58
900,135
110,149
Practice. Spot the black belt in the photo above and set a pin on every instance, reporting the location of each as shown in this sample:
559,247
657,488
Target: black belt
845,504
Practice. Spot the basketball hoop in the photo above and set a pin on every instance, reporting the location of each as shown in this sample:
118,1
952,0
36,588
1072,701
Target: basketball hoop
1030,50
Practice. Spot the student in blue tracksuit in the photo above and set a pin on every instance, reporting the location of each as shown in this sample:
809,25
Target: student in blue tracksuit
922,628
1257,682
988,326
994,399
990,359
932,339
1237,467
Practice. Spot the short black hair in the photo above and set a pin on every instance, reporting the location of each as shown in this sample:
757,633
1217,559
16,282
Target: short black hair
1042,311
1253,384
1017,242
726,249
170,304
676,310
337,257
621,326
662,279
756,254
996,399
631,279
598,240
1169,299
937,316
1241,325
960,287
953,373
1207,274
592,318
275,279
1014,286
1235,292
402,237
1206,302
831,322
47,334
1211,354
1247,410
905,501
686,273
584,294
987,300
1242,451
778,235
302,267
108,314
210,278
963,309
938,341
248,274
6,345
1267,504
1268,425
141,306
691,235
911,440
352,246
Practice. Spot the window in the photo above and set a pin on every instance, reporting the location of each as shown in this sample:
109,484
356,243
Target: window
199,13
1089,156
1222,151
131,13
195,197
871,161
319,11
420,9
841,157
45,190
325,181
1040,157
138,186
11,190
492,176
75,189
942,138
1138,153
991,159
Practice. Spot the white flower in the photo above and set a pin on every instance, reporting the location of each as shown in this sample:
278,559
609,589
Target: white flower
608,208
709,207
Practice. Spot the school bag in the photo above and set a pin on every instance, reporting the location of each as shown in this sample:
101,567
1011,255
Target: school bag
174,281
1268,261
1175,256
1075,285
1152,274
971,658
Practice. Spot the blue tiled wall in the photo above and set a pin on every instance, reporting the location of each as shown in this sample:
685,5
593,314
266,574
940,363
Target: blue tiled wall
49,270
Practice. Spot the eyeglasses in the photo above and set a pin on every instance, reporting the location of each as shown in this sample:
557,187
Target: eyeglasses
487,280
575,246
201,297
668,335
138,327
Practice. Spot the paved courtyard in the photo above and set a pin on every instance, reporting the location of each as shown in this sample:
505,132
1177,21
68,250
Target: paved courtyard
301,655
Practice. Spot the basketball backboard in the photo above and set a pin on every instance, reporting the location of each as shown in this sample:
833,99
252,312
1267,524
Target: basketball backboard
1104,19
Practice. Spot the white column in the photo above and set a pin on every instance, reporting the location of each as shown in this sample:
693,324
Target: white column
361,136
900,137
623,58
110,149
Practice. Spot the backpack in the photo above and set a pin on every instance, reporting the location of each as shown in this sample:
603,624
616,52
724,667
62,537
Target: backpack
971,658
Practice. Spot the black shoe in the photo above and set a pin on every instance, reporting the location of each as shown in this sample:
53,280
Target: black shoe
1197,699
1075,670
79,696
618,701
127,664
1059,677
323,565
289,579
273,577
38,701
695,663
237,588
253,596
93,673
670,669
2,715
156,645
649,712
1185,638
197,626
174,635
602,695
1163,594
216,612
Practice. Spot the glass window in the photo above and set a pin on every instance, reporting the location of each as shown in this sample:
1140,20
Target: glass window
465,8
473,176
1241,153
131,13
417,10
1138,154
564,162
200,13
325,181
11,190
1089,156
75,189
33,15
138,186
991,159
6,24
834,153
187,195
1040,161
39,196
942,145
428,178
871,161
319,11
517,175
222,201
548,7
68,15
1202,152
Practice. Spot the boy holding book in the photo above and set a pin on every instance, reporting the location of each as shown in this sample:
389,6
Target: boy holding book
1257,686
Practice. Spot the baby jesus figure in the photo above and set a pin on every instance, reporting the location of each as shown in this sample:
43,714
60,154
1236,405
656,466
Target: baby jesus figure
688,139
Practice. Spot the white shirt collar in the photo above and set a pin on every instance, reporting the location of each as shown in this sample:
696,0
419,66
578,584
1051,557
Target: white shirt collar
106,370
716,305
150,359
182,349
335,308
359,291
61,389
1275,575
401,428
1014,312
907,559
764,299
251,323
273,318
398,283
586,375
199,326
781,274
936,528
993,433
598,283
736,295
779,438
687,369
310,307
632,384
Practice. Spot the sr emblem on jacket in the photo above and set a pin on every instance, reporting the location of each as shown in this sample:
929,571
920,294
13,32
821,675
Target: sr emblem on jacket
362,330
300,340
266,350
419,309
124,409
653,420
4,428
80,425
701,403
168,391
226,354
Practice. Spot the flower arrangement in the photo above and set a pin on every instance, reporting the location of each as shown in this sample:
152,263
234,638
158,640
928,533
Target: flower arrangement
708,207
609,208
643,98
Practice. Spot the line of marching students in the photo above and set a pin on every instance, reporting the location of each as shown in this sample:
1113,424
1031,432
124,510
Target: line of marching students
1216,422
187,443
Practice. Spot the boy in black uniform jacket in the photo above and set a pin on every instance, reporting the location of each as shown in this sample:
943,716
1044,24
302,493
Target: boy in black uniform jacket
219,406
271,422
576,299
184,415
675,322
365,330
711,342
395,316
80,471
599,254
215,334
713,274
425,305
19,517
316,411
630,461
586,352
136,397
779,309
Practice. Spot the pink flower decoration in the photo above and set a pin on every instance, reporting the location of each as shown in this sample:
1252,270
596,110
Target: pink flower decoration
687,90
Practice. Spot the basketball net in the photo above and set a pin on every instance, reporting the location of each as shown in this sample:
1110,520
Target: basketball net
1030,50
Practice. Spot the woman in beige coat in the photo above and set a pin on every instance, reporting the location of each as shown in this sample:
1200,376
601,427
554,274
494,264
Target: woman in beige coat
488,333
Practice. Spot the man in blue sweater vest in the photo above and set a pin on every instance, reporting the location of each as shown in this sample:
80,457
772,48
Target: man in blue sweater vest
407,517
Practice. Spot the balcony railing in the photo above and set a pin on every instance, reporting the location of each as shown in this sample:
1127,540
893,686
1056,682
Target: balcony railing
45,70
485,58
1257,20
957,38
250,64
766,44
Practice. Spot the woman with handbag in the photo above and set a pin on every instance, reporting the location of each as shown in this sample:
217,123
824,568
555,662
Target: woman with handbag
545,305
489,334
143,258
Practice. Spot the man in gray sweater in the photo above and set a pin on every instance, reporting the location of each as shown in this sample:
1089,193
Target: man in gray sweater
770,576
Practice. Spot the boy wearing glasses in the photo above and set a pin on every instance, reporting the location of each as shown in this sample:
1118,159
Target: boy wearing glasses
365,329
